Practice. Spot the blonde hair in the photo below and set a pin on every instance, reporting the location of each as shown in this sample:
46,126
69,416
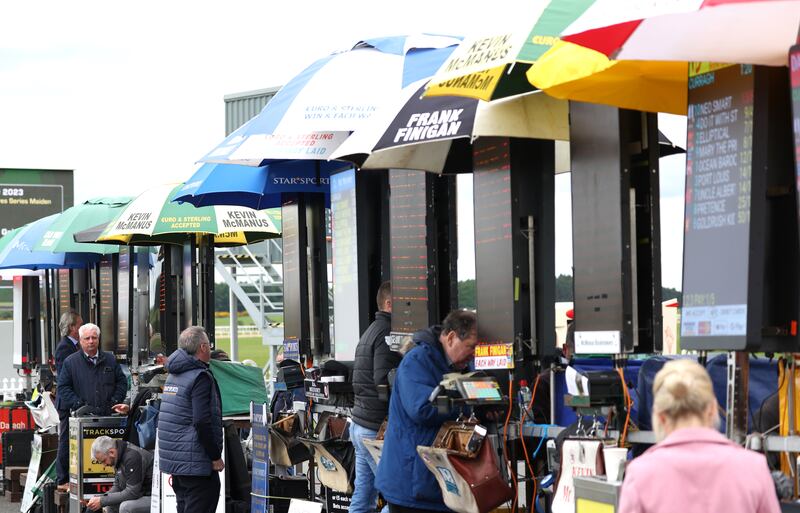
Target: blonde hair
682,390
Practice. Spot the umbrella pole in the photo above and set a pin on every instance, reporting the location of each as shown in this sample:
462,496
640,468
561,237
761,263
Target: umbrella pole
234,319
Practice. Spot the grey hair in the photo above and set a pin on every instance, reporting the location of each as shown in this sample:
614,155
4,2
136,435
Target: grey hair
101,445
67,320
192,338
88,327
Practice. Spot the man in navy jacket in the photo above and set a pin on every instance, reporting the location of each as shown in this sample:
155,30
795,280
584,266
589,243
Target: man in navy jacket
68,326
190,425
402,477
89,377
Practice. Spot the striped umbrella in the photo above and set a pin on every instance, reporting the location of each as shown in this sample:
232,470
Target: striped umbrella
153,218
318,109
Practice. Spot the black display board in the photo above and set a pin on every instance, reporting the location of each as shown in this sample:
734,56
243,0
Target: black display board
107,299
359,226
513,181
30,194
616,232
124,304
304,267
410,212
497,279
739,271
295,286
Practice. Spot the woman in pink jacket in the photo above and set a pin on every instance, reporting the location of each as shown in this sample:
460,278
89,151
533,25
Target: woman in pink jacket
693,468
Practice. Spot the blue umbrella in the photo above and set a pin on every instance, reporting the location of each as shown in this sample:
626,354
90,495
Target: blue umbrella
18,253
256,187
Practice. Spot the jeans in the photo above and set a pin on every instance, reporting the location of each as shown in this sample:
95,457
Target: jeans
365,496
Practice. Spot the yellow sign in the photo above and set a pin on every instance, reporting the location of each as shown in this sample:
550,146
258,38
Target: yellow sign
478,85
589,506
698,68
90,466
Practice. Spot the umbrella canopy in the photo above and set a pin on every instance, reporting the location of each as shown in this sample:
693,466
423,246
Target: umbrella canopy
255,187
16,249
503,65
650,70
730,31
59,235
434,133
152,218
316,110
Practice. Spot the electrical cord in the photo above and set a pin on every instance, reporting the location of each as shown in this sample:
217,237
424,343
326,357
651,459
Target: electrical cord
511,471
628,404
524,447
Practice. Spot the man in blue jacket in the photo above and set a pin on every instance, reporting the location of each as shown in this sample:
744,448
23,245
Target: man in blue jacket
190,425
89,377
402,477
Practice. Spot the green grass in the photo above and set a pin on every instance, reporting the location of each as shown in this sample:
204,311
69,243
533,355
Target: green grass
249,347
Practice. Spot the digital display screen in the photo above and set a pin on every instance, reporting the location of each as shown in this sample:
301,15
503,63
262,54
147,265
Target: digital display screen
123,299
30,194
64,291
345,265
409,249
481,390
794,77
107,295
493,240
292,289
718,192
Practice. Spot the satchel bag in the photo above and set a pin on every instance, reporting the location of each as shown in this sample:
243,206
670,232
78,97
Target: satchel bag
469,484
454,436
285,448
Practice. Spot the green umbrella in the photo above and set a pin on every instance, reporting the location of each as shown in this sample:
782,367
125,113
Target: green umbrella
59,235
153,218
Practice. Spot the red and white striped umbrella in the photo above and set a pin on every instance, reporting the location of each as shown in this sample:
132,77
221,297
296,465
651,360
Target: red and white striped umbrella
735,31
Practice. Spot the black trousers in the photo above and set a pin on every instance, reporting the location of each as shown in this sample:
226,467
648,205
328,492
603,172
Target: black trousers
62,457
393,508
197,494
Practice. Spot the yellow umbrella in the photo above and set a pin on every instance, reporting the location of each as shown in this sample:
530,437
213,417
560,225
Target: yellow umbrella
572,72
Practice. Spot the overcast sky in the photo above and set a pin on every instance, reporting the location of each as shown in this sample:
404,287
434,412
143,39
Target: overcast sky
131,94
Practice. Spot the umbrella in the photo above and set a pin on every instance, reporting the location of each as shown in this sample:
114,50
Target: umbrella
730,31
651,53
502,65
152,218
316,110
59,235
255,187
16,249
434,133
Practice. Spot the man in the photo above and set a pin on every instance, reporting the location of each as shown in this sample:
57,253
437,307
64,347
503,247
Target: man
133,476
374,359
68,326
91,378
190,425
402,477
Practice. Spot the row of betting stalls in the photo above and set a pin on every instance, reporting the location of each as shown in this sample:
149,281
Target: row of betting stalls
740,253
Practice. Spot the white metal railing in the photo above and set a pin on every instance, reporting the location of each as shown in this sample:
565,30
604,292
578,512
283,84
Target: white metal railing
243,331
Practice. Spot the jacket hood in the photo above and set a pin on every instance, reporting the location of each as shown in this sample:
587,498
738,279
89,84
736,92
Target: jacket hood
180,361
429,336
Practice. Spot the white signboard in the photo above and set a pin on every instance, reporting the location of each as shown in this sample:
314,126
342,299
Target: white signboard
597,342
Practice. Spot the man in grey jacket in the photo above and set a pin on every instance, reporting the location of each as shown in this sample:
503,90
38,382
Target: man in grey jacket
133,467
